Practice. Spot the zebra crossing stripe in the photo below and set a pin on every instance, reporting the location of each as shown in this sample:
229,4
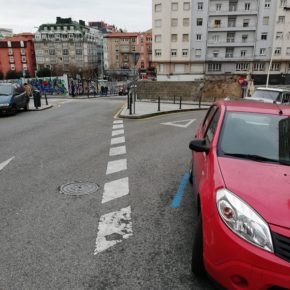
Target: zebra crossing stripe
118,122
120,150
118,126
117,132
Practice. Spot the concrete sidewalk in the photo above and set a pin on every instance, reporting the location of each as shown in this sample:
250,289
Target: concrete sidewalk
148,109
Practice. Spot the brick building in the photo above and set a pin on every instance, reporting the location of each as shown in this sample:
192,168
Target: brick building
17,54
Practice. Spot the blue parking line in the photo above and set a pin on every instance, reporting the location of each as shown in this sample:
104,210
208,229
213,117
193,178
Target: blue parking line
179,194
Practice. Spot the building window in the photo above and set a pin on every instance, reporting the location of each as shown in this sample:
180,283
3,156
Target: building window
174,22
262,51
10,51
279,35
283,3
158,38
79,51
232,22
52,51
9,43
158,52
264,36
12,66
215,38
186,6
275,66
23,59
218,7
281,19
277,51
198,37
230,37
174,38
185,37
267,3
244,38
200,6
185,52
212,67
65,51
247,6
229,52
288,50
24,66
158,7
198,52
233,5
242,66
259,67
185,21
215,53
21,43
217,23
199,21
243,53
174,6
246,22
173,52
158,22
11,59
266,20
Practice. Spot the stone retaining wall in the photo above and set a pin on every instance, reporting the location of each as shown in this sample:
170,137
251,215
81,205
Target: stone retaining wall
190,91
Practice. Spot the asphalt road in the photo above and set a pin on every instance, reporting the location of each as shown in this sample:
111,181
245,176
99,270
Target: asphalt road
100,240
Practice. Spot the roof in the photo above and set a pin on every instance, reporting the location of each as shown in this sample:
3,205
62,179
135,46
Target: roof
254,107
121,34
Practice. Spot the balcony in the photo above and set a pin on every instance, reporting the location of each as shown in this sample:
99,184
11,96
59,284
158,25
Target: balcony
233,13
221,28
226,58
231,44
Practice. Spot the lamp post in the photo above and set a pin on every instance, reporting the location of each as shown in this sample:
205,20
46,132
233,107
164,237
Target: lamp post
269,68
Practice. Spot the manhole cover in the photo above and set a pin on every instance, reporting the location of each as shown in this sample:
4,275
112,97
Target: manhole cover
79,188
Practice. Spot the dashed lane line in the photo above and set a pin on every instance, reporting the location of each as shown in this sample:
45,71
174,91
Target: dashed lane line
115,189
117,132
116,166
117,140
120,150
118,126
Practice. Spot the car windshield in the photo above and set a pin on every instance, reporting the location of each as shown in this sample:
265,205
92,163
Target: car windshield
265,94
5,90
260,137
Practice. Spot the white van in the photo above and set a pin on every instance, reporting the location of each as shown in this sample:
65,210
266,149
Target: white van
271,95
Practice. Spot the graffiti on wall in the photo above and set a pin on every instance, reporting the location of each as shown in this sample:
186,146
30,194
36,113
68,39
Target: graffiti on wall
49,85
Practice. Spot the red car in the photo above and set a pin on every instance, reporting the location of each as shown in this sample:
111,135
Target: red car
241,175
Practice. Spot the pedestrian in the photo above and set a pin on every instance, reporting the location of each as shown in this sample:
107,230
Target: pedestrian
72,87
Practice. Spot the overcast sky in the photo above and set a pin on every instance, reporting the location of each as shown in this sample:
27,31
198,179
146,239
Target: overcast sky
27,15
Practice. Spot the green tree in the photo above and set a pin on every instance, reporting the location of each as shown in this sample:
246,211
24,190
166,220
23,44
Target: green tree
44,72
12,75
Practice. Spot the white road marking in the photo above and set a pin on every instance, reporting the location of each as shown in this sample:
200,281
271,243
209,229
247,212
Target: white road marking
120,150
117,132
115,189
118,126
118,122
116,166
113,228
181,123
5,163
118,140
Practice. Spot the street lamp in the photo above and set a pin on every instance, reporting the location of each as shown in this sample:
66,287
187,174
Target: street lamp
269,68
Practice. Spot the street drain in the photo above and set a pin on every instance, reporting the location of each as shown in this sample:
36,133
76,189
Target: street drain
78,188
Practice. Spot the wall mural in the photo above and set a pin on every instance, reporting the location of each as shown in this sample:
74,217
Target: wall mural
49,85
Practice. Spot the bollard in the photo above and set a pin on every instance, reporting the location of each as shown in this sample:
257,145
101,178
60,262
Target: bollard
130,104
158,104
128,100
199,101
45,99
180,101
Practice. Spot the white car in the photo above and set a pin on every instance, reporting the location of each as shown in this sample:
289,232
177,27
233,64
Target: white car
271,95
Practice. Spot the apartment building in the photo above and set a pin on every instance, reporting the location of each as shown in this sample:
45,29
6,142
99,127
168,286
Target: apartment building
197,38
17,54
126,54
67,45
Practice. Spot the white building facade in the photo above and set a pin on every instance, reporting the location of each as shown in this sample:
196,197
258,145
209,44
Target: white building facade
197,38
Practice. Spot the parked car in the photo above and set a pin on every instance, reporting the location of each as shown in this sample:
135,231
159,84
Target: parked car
12,98
241,176
271,95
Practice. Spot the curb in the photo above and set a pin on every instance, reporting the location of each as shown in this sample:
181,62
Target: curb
41,109
159,113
